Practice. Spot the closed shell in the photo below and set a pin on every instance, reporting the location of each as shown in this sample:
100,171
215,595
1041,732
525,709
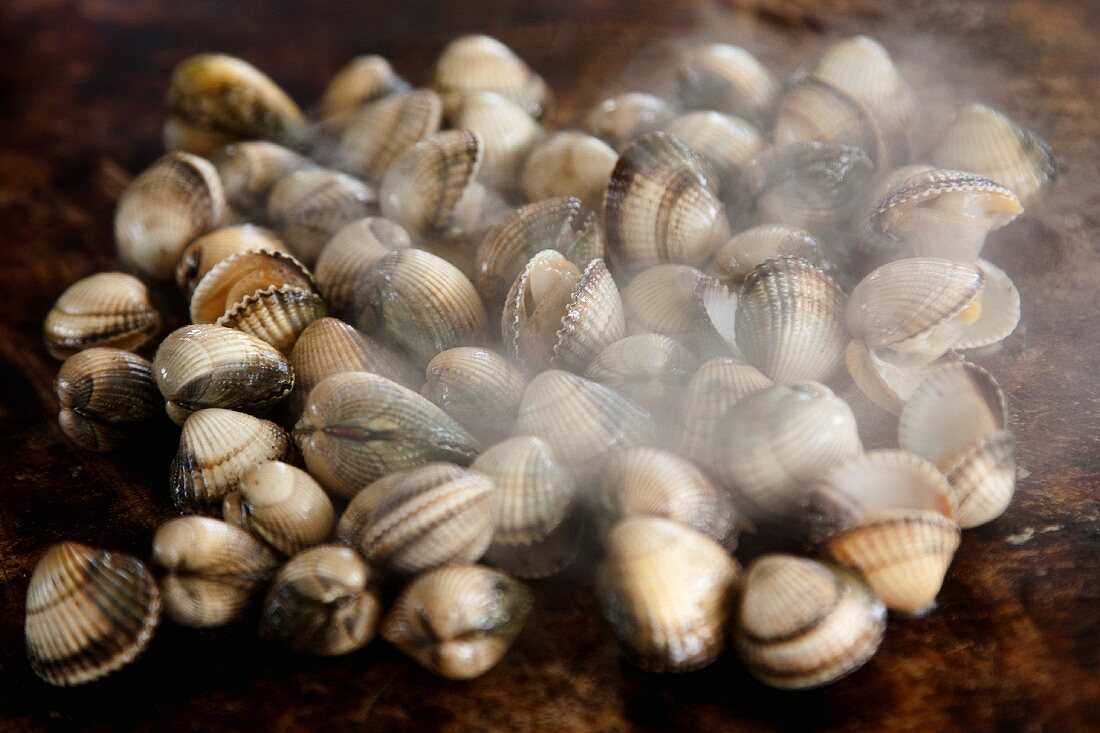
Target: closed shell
310,206
475,63
282,506
507,130
728,143
358,427
713,389
661,299
350,256
982,478
812,109
747,249
648,368
249,170
105,394
862,68
624,118
210,249
479,388
568,164
90,612
105,309
362,80
727,79
376,134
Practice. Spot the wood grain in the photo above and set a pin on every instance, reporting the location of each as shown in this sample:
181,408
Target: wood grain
1013,644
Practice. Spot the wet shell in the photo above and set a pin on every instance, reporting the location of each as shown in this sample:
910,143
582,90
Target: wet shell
886,384
458,621
983,479
105,309
351,254
329,346
954,407
660,205
986,142
276,314
716,310
168,205
790,320
669,620
437,514
727,79
479,388
773,444
648,368
1000,309
508,131
358,427
727,143
282,506
375,135
479,63
105,394
358,511
712,390
557,316
744,251
219,99
310,206
800,625
661,299
944,213
537,525
914,310
249,170
861,67
656,483
582,421
622,119
210,249
361,81
568,164
324,602
421,302
217,447
213,570
90,612
432,186
202,365
816,110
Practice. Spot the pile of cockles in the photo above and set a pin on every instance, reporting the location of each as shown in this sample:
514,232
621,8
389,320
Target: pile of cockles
435,349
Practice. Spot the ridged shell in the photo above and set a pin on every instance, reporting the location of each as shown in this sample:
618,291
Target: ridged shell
249,170
203,365
105,394
276,315
359,509
661,299
648,368
538,530
329,346
916,308
568,164
716,311
657,483
90,612
458,621
660,205
954,407
1000,309
217,447
361,81
668,619
105,309
437,514
982,140
324,602
863,68
241,275
213,570
773,444
812,109
168,205
282,506
358,427
624,118
582,421
508,131
801,625
728,143
790,320
222,99
479,388
350,256
209,250
886,384
376,134
479,63
310,206
983,479
432,186
423,303
747,249
712,390
727,79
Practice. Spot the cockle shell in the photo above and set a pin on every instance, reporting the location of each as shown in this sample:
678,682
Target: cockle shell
711,391
747,249
282,506
1000,309
458,621
350,256
475,63
727,79
861,67
310,206
249,170
105,396
648,368
507,130
376,134
479,388
105,309
886,384
661,299
799,624
210,249
728,143
668,619
624,118
90,612
358,427
568,163
982,478
362,80
213,570
812,109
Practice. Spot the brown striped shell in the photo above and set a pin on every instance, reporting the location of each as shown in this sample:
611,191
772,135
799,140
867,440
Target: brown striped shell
622,119
982,478
648,368
282,506
250,169
727,79
105,309
361,81
568,163
350,256
474,63
747,249
479,388
712,390
507,130
661,299
814,109
309,206
376,134
863,69
728,143
106,395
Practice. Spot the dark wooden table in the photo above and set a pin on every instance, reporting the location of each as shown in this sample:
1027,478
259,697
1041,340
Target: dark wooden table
1013,644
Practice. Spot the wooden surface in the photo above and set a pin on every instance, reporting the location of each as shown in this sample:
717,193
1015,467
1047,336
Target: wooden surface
1013,644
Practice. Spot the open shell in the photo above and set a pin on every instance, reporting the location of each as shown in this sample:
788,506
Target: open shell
885,383
568,163
712,390
375,135
361,81
105,309
624,118
727,79
1000,309
282,506
310,206
209,250
479,388
475,63
105,396
351,254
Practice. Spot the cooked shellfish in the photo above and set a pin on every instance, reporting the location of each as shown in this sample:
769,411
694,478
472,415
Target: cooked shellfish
507,130
249,170
105,394
210,249
568,164
282,506
479,63
728,143
375,135
747,249
712,390
624,118
310,206
727,79
362,80
350,256
479,388
649,368
106,309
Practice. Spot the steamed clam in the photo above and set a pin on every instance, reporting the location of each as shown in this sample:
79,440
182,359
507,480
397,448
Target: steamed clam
476,63
1000,309
324,601
382,130
812,109
210,249
458,621
105,396
727,79
310,206
661,299
361,81
883,382
110,309
282,506
622,119
863,69
479,388
715,387
250,169
568,163
212,570
350,256
649,368
90,612
747,249
507,130
728,143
